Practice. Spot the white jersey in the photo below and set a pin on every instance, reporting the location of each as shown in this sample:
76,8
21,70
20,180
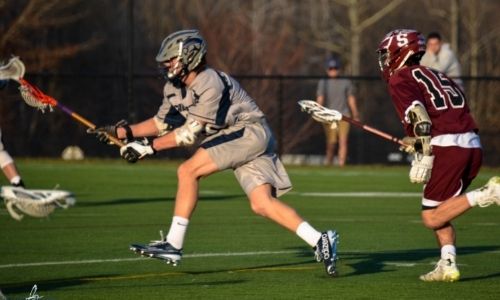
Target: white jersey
213,98
239,136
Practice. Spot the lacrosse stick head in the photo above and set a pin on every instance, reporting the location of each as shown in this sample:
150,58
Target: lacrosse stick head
13,70
34,97
35,203
320,113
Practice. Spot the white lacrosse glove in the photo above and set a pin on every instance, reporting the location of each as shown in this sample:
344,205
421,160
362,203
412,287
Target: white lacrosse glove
421,168
136,150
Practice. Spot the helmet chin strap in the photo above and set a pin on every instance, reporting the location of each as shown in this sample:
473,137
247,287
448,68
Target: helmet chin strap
178,70
176,81
175,77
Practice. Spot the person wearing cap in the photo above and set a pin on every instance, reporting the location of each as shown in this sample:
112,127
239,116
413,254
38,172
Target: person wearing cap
338,94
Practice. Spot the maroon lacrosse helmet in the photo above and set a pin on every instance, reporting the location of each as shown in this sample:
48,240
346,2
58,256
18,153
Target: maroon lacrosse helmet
397,47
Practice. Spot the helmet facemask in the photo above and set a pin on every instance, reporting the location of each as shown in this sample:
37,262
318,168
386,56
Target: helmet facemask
181,53
383,59
174,74
384,63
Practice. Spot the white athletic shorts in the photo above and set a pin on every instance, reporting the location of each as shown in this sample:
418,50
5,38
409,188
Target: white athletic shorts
248,149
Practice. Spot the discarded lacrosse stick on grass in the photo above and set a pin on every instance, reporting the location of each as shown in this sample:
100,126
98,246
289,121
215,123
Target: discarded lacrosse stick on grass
14,70
35,203
331,116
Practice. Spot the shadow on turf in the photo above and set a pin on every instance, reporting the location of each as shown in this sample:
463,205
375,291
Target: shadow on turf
47,285
159,199
249,269
54,284
366,263
374,262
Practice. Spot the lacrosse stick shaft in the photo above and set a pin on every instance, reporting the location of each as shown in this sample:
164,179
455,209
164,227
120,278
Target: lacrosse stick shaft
87,123
374,131
325,115
39,96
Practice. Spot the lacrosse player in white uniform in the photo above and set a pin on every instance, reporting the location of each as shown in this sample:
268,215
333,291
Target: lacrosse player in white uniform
209,109
6,162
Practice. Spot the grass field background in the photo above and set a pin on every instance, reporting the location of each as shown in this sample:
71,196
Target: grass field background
230,253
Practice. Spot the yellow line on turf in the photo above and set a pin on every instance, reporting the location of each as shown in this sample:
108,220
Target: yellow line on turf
139,276
168,274
273,269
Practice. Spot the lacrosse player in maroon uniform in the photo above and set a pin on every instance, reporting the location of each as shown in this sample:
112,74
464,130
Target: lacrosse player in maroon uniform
443,137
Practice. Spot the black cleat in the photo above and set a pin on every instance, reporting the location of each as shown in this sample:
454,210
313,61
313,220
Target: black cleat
159,250
326,251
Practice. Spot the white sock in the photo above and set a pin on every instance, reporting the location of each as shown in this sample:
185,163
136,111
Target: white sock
448,252
471,198
306,232
177,231
15,180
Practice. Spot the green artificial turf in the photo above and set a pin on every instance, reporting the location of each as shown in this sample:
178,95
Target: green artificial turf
230,253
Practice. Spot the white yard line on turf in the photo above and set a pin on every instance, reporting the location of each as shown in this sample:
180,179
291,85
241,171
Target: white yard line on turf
361,194
203,255
96,261
336,194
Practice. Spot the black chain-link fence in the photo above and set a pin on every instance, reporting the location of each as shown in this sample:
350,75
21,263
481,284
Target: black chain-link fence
105,99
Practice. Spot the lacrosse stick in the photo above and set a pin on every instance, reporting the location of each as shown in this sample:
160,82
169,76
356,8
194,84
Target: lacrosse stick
14,70
329,116
35,203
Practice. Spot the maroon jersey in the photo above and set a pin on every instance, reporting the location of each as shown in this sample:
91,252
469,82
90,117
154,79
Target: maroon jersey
442,98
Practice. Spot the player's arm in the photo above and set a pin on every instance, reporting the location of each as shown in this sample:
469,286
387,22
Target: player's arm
321,100
183,136
145,128
421,166
320,95
122,130
351,101
418,117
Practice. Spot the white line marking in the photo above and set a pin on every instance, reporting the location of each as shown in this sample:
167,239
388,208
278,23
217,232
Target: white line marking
410,264
221,254
212,192
361,194
97,261
398,264
335,194
67,262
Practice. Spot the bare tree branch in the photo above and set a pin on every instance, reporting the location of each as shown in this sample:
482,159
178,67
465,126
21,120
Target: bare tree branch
378,15
22,33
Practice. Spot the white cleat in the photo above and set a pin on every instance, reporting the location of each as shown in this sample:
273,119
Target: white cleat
489,193
446,270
